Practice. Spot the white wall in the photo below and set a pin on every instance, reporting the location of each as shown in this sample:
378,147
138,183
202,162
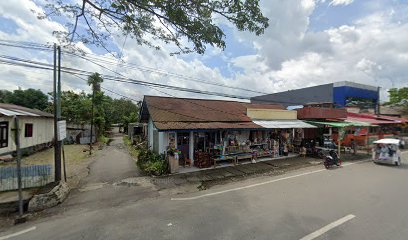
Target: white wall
163,139
43,132
150,127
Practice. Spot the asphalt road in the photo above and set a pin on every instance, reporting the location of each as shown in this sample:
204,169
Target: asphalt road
291,206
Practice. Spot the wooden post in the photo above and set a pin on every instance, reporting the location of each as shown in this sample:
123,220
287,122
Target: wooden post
339,146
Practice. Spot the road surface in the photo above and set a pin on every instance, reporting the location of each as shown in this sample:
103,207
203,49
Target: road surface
361,200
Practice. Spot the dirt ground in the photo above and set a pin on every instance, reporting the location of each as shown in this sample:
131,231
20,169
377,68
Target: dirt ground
76,161
77,167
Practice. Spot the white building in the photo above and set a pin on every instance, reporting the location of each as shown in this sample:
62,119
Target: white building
36,128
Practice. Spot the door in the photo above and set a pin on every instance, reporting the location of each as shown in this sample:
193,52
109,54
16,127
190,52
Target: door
183,144
3,134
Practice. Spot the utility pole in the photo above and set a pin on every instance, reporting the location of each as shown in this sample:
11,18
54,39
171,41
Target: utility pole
20,191
61,143
57,115
92,120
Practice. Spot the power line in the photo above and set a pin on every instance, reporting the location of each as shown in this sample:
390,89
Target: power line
45,66
152,105
165,73
105,60
214,109
39,65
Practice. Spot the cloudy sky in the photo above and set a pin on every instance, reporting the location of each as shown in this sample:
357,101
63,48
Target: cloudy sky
308,42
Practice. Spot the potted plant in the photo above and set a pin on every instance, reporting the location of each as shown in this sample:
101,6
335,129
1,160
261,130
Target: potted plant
172,154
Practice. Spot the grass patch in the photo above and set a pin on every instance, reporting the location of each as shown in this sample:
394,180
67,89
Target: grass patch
132,149
73,154
103,139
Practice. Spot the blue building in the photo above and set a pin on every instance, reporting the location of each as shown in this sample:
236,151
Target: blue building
342,94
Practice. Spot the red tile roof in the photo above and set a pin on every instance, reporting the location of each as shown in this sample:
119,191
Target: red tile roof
205,125
186,113
375,119
199,110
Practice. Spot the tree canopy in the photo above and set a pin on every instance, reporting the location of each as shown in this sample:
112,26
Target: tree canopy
149,20
76,109
398,95
399,98
30,98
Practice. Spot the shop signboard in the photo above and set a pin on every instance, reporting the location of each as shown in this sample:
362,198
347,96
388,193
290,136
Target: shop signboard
62,130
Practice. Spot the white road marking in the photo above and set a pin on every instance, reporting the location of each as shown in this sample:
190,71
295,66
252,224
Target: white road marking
328,227
18,233
259,184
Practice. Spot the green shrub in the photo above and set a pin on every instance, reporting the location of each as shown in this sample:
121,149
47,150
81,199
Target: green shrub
151,162
103,139
156,168
126,140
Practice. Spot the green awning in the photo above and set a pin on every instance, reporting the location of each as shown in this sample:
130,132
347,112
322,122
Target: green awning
341,124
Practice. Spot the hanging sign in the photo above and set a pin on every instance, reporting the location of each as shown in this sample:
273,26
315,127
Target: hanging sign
62,130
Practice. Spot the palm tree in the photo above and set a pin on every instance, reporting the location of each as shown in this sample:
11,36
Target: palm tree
95,81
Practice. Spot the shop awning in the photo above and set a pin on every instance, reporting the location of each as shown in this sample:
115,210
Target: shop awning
283,124
341,124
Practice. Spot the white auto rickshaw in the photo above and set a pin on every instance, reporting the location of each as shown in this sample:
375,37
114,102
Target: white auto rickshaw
387,151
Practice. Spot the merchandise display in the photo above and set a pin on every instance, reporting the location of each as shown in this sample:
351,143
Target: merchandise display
213,148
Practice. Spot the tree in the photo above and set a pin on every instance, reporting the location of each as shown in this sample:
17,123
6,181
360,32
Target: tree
399,99
98,113
29,98
4,95
398,96
168,21
122,111
75,107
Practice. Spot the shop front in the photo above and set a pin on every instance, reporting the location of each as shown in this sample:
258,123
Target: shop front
223,147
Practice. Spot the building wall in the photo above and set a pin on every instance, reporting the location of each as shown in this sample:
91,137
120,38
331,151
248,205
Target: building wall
341,93
43,132
321,113
321,93
271,114
163,141
150,127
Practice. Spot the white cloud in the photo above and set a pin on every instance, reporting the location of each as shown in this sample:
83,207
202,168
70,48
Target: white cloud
372,50
341,2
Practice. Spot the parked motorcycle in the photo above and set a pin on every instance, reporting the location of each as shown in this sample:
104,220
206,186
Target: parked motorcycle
332,159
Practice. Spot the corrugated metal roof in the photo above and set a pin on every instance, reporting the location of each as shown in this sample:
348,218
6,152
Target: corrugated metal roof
166,109
368,120
6,112
376,119
341,124
15,110
166,126
284,124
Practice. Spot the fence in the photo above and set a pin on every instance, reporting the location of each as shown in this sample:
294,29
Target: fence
32,176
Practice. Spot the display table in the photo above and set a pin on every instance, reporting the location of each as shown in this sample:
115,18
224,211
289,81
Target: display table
232,157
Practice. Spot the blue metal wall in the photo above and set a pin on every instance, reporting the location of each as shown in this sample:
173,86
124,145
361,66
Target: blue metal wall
341,93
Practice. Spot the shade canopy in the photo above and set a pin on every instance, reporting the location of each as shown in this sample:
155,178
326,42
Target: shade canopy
283,124
388,141
341,124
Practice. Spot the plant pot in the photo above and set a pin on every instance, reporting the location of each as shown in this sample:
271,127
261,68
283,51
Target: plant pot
174,163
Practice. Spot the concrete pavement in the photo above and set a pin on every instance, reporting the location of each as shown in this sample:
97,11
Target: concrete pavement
102,188
284,207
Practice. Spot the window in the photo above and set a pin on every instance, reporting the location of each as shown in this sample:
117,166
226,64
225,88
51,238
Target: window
3,134
28,132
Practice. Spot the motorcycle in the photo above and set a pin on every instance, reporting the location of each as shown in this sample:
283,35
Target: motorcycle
332,159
